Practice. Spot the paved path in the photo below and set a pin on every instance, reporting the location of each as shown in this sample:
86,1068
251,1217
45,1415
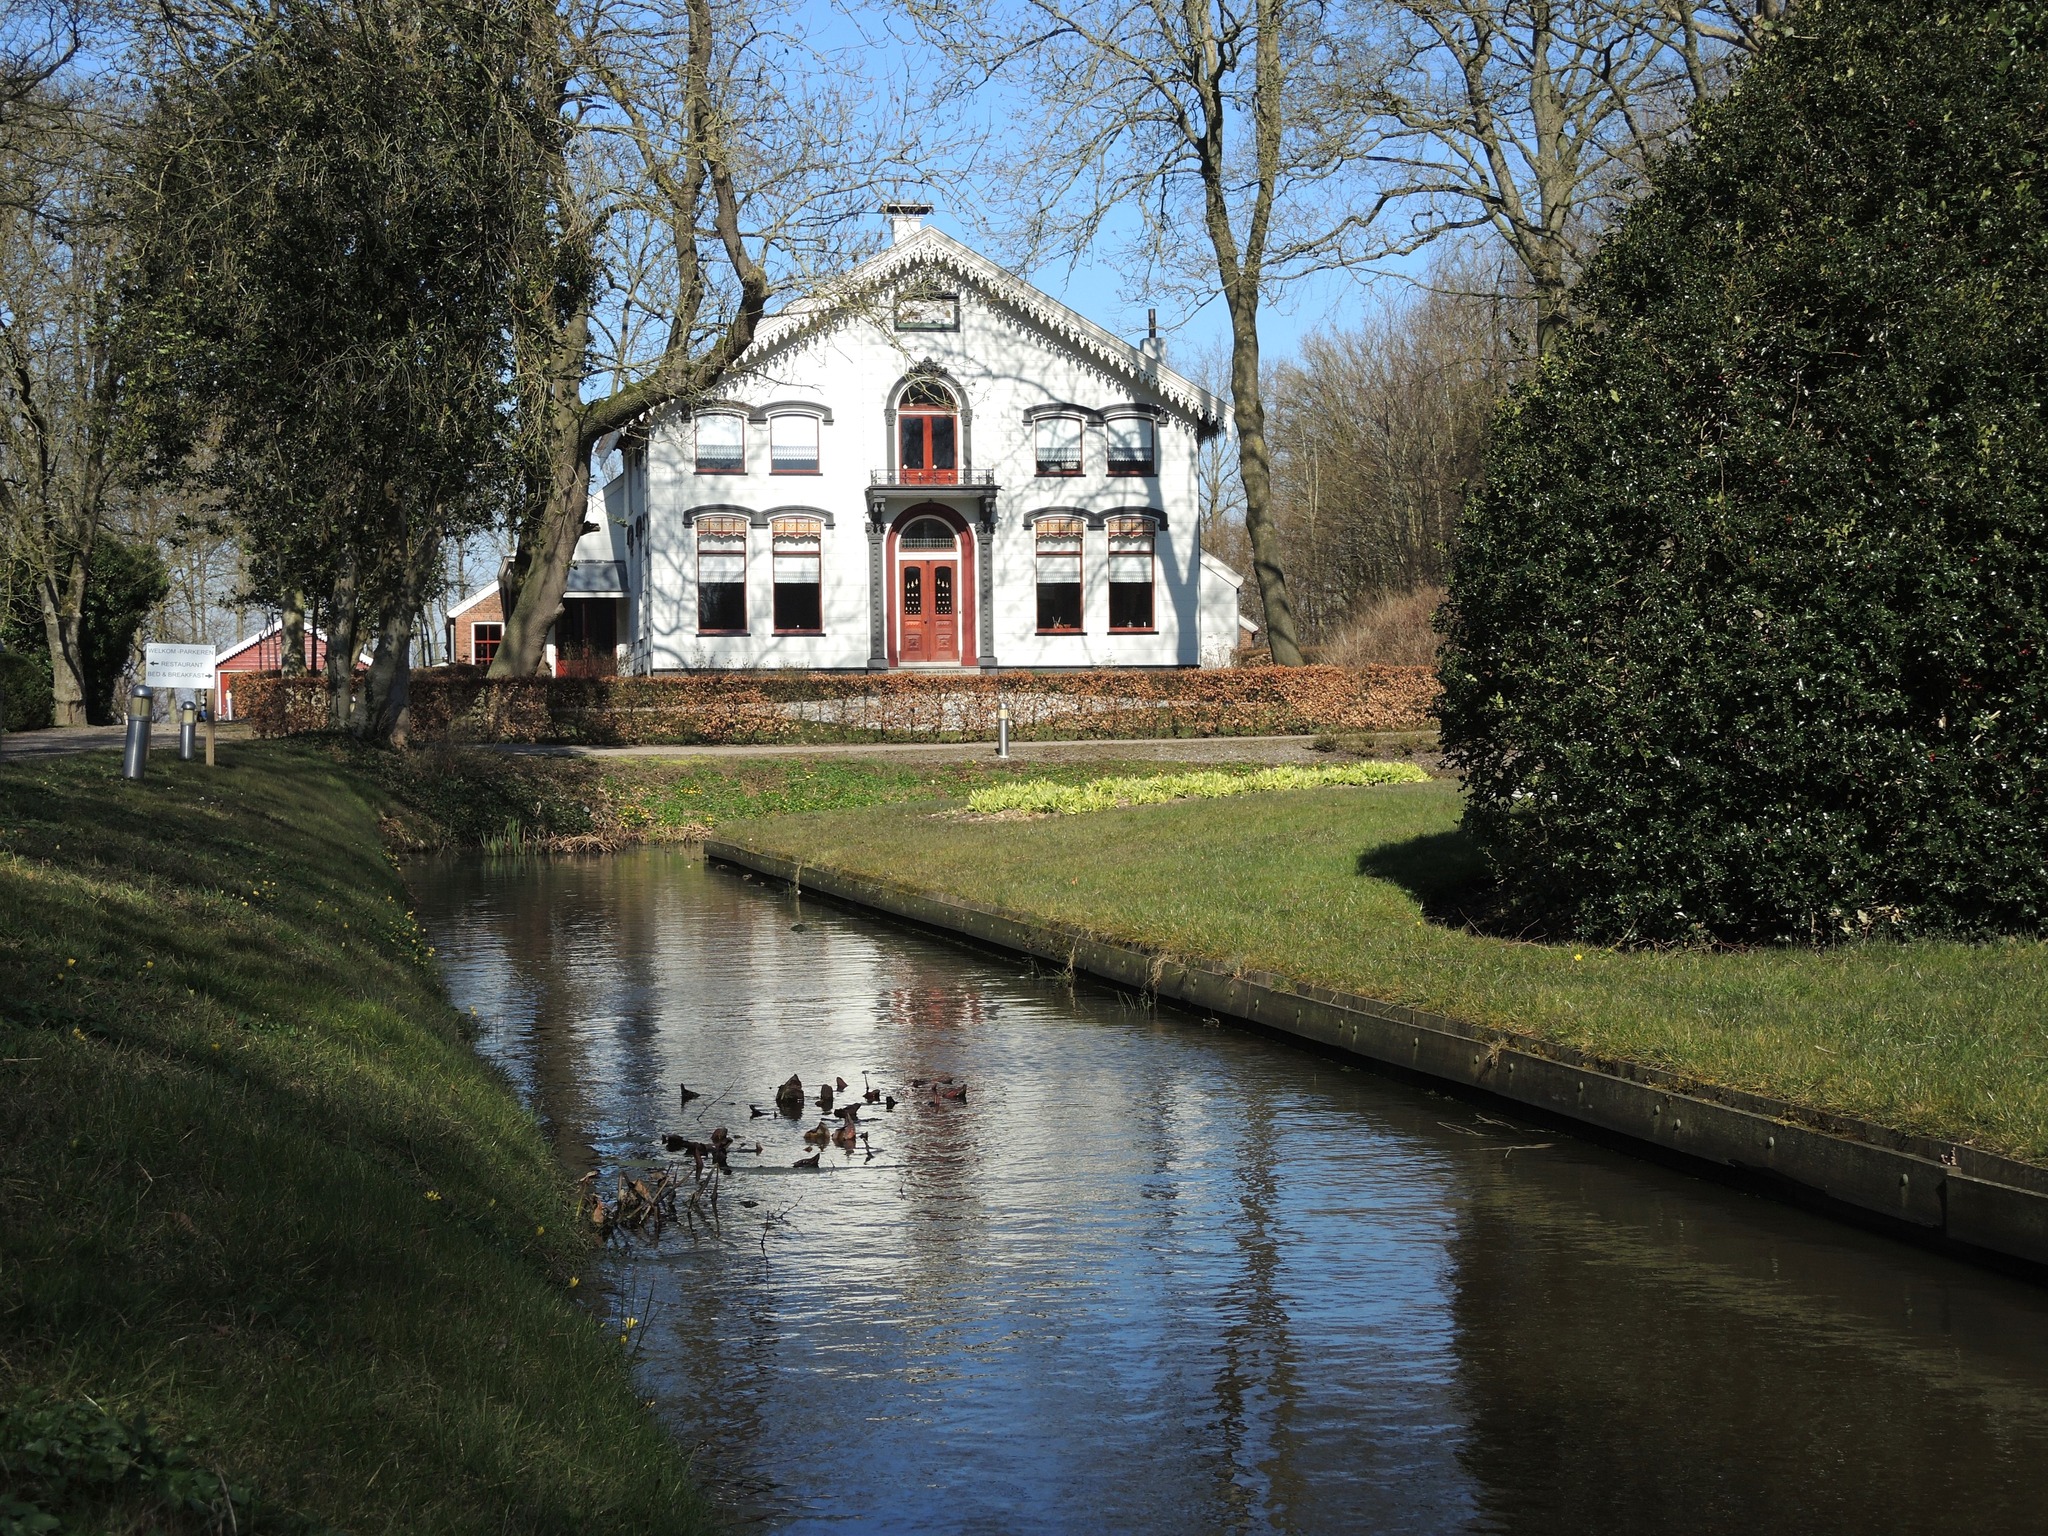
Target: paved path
1183,749
17,746
26,745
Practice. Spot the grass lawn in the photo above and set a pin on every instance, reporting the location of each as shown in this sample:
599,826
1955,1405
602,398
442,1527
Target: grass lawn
255,1183
1331,886
470,798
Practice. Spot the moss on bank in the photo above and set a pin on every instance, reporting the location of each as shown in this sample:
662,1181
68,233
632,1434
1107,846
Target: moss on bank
1337,887
255,1183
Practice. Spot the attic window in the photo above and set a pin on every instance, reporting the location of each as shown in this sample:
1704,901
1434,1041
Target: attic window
926,311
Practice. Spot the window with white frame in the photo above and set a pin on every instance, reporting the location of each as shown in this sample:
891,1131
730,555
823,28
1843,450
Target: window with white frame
484,640
1059,575
1130,573
793,445
1133,446
799,590
722,575
1059,445
721,444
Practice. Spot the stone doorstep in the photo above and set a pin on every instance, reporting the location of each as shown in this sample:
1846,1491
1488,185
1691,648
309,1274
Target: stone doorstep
1967,1197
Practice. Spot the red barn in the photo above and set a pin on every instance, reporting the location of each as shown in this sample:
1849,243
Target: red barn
262,652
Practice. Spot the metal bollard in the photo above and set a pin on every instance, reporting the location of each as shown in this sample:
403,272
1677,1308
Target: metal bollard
188,727
135,751
1003,731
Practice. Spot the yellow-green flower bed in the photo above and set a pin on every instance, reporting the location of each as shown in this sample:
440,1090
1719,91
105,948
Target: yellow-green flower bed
1046,797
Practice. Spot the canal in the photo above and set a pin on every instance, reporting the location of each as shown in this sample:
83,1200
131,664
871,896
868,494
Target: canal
1159,1274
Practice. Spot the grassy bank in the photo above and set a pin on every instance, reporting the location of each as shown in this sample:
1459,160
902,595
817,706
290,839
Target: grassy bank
1334,886
481,799
255,1184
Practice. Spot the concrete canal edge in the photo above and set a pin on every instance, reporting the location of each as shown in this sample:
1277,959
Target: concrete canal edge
1981,1205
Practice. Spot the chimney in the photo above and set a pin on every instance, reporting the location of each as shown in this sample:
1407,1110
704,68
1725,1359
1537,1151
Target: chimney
905,219
1151,346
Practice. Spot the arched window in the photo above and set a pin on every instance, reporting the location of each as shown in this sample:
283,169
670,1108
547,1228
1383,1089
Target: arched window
929,534
1130,573
928,434
799,588
1059,575
1059,445
793,444
722,575
721,444
1133,446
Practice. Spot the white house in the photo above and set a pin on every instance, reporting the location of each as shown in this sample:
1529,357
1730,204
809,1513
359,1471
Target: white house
930,464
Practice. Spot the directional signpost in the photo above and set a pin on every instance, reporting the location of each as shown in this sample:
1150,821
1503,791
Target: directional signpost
184,666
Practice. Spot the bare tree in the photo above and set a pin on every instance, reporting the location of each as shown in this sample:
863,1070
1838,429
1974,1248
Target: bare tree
703,161
1532,119
1156,120
1377,434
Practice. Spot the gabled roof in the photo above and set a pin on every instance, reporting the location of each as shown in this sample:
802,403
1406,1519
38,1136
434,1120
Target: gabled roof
930,250
488,589
275,627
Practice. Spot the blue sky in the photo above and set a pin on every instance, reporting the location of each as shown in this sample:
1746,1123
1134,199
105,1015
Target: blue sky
872,41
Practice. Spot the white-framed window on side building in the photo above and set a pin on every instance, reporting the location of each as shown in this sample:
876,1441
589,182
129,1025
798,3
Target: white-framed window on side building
722,575
1059,575
798,544
1131,573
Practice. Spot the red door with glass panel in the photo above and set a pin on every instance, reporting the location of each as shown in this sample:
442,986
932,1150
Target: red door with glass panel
928,593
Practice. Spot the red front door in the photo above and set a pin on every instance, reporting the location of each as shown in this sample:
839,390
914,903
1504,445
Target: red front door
929,611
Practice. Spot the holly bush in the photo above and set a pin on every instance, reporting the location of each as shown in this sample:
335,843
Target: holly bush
1745,633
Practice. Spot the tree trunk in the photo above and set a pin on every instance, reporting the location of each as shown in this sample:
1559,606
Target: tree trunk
63,603
293,663
385,715
531,589
1255,472
342,633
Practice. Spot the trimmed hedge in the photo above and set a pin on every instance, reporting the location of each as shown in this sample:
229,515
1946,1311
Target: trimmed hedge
1746,625
771,707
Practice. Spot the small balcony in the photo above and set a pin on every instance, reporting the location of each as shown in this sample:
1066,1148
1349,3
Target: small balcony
932,479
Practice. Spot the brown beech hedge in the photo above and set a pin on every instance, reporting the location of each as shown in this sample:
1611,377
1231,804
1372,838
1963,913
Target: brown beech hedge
735,708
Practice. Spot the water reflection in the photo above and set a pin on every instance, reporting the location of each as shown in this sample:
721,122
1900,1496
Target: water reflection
1157,1276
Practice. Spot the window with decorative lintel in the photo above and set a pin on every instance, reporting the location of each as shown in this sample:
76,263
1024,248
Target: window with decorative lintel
798,543
1130,573
1059,575
722,575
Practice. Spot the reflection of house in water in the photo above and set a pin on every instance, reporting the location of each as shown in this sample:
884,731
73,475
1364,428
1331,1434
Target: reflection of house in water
933,1007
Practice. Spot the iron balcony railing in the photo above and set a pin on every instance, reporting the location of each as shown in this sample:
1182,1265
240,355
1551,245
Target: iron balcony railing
922,479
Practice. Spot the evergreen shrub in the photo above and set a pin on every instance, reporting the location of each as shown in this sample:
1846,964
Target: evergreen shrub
1745,631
